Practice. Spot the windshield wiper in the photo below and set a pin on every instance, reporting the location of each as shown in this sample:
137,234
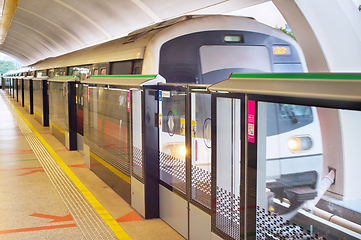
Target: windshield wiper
289,111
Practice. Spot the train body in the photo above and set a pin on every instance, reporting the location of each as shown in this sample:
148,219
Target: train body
202,50
189,49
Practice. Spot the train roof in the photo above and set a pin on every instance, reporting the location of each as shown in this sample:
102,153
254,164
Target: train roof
134,44
129,47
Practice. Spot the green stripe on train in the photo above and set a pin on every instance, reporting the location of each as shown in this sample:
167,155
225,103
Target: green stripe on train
124,76
345,76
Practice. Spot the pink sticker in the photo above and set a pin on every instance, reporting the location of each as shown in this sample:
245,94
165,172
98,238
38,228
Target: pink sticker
251,121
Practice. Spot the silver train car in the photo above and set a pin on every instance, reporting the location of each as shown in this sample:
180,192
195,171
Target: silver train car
206,49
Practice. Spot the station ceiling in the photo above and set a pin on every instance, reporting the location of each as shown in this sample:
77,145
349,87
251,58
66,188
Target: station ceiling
32,30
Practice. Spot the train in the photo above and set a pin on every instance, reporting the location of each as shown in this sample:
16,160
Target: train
206,49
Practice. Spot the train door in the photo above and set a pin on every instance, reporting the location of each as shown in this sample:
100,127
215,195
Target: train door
172,158
21,89
137,176
79,111
82,72
228,195
15,88
199,180
245,192
177,125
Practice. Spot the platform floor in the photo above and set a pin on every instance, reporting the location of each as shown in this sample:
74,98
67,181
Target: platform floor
35,204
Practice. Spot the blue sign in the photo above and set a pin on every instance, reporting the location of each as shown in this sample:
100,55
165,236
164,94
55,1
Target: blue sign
160,95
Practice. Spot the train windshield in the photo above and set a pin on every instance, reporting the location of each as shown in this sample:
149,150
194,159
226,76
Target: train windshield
218,62
294,111
282,118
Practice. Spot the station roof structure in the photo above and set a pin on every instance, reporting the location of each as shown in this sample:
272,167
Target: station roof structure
32,30
328,32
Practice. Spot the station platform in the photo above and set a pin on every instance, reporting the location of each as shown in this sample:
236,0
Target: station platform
46,191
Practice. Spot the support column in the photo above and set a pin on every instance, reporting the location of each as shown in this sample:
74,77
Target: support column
328,32
72,115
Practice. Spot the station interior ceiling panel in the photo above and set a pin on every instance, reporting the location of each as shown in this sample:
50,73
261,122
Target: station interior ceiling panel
32,30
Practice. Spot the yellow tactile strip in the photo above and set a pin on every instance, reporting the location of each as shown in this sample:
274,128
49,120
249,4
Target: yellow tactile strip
111,168
68,186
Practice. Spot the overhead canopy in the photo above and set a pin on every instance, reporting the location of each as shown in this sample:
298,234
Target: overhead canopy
62,79
46,28
132,81
339,87
41,78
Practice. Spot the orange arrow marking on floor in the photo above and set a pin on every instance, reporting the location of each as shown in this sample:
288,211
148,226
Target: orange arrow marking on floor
32,171
83,166
94,164
62,150
18,152
14,169
130,217
37,228
55,218
78,166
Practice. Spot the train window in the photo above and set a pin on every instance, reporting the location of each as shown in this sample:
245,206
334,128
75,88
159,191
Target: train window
293,111
121,68
99,68
60,72
218,62
41,73
82,72
282,118
179,73
137,70
51,73
137,66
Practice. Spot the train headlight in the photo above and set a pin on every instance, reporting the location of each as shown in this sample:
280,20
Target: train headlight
294,144
300,143
181,149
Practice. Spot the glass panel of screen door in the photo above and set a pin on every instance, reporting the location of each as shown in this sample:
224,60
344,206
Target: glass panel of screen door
172,139
201,148
228,166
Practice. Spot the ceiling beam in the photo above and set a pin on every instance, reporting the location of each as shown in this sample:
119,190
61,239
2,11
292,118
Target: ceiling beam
54,24
85,17
7,14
